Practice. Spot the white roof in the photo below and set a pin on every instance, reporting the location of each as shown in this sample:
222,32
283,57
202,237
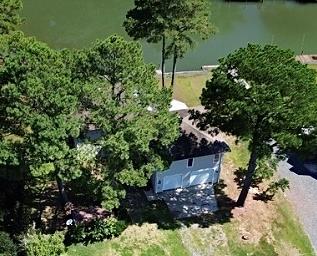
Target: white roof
177,105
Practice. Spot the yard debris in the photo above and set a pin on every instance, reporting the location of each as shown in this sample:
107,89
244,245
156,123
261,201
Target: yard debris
245,237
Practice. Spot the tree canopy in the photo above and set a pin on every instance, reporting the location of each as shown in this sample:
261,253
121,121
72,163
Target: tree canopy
38,109
260,93
38,105
190,22
9,15
48,98
133,135
176,23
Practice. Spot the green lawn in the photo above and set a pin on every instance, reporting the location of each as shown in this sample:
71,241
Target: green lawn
287,228
145,240
188,88
313,66
286,236
239,154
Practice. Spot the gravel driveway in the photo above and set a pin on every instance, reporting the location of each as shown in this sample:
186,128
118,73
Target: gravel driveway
303,195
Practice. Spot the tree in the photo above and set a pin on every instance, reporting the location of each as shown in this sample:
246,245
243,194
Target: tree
147,20
190,21
37,244
9,15
7,246
38,106
260,93
123,101
48,97
175,22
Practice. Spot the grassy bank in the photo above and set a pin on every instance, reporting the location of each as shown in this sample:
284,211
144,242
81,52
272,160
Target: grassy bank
188,88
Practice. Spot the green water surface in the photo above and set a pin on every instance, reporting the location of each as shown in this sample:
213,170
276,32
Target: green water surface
77,23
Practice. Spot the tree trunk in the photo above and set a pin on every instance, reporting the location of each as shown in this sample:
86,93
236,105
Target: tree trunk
248,179
174,68
21,220
163,61
62,192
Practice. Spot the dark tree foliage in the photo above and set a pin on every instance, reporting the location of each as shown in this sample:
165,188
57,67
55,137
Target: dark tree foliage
176,23
124,101
9,15
260,93
48,98
38,106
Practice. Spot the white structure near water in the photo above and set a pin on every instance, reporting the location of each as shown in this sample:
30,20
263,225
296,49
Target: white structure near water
188,172
196,158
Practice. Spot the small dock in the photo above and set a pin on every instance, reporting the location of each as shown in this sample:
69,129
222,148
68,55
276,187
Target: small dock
307,59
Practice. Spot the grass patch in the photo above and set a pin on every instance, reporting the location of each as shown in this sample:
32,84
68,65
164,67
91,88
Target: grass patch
239,154
155,234
97,249
188,88
238,247
313,66
145,240
287,229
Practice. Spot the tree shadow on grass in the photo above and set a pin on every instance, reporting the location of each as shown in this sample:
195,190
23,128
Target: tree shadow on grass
136,209
264,197
261,196
240,176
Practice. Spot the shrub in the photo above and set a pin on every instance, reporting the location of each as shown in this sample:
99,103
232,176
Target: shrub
95,231
7,246
37,244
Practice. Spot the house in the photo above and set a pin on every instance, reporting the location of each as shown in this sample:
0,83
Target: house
196,159
196,156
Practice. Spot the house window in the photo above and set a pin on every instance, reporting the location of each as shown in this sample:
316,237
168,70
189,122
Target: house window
216,158
190,162
159,182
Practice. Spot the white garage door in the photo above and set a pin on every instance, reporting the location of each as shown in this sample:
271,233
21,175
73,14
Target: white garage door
172,182
200,177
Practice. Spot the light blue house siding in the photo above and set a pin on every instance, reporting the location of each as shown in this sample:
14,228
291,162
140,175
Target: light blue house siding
204,169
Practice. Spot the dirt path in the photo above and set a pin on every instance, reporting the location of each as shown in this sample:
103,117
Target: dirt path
303,196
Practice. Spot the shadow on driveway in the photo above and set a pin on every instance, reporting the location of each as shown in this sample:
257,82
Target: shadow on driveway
300,167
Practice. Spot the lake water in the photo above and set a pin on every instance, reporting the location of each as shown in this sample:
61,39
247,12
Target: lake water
77,23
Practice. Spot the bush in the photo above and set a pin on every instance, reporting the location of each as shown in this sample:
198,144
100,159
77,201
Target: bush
7,246
95,231
37,244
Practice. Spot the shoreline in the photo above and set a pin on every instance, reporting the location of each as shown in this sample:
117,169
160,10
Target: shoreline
310,59
203,70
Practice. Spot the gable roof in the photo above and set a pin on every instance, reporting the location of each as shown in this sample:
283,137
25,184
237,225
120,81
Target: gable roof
194,142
